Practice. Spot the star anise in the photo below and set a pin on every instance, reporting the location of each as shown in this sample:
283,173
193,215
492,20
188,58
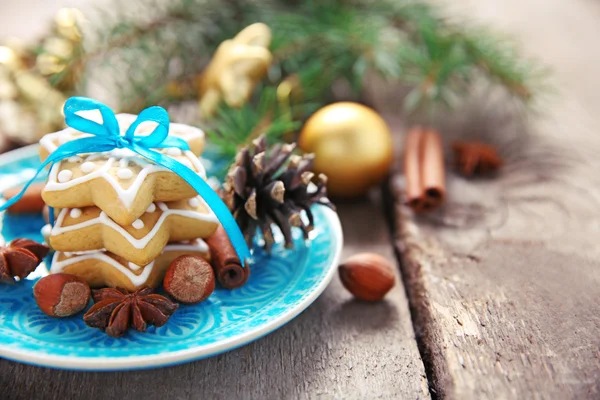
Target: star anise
20,258
476,158
116,310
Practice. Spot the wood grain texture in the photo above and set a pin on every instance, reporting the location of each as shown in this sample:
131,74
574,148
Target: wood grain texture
504,281
337,348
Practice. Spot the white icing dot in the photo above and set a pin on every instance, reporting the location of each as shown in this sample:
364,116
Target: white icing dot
174,151
88,167
138,224
46,231
123,163
134,267
64,138
75,213
151,208
125,173
67,253
74,159
194,202
65,175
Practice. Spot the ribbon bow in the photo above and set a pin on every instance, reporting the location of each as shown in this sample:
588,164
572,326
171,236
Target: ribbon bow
107,136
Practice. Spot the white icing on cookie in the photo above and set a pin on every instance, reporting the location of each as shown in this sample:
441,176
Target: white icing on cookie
138,224
174,151
151,208
194,202
133,267
46,229
137,280
64,137
65,176
83,252
123,162
88,167
127,196
75,213
74,159
141,243
124,173
122,153
188,164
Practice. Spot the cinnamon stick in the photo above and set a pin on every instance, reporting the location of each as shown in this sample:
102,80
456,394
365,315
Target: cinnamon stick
227,265
433,179
31,202
412,168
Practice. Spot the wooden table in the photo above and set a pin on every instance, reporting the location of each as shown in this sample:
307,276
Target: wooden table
499,292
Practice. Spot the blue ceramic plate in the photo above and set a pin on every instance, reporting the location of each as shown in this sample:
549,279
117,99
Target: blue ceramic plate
280,287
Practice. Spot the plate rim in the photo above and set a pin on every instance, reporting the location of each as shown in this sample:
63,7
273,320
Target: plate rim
103,363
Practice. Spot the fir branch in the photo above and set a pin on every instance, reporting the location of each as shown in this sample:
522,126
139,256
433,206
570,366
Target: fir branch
503,64
159,53
232,128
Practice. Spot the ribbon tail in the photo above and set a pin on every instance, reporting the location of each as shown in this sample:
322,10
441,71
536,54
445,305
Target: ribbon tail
210,197
83,145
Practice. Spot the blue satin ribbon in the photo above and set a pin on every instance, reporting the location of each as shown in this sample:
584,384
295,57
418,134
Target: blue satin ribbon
107,136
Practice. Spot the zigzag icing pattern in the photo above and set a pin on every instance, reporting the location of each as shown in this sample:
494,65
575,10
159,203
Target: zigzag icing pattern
141,243
58,265
99,165
101,170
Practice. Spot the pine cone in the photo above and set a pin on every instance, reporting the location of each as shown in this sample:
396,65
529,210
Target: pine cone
271,186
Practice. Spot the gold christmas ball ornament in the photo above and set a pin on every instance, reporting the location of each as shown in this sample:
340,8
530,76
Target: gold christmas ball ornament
352,146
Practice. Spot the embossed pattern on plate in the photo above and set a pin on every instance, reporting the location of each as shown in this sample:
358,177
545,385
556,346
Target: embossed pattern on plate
280,286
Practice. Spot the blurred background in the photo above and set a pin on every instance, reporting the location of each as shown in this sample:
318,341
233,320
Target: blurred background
155,52
417,63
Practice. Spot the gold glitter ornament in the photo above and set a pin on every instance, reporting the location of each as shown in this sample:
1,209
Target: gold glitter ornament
66,23
60,53
29,106
352,146
236,67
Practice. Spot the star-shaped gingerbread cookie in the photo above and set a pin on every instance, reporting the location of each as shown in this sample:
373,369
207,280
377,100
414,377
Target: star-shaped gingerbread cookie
101,268
91,229
119,182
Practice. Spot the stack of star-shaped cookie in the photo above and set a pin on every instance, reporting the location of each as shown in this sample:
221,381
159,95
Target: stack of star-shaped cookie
119,219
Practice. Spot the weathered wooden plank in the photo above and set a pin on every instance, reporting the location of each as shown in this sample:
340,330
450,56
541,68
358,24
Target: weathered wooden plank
504,281
509,320
337,348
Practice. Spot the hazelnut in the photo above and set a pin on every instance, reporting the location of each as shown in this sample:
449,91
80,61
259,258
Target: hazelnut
367,276
61,295
189,279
